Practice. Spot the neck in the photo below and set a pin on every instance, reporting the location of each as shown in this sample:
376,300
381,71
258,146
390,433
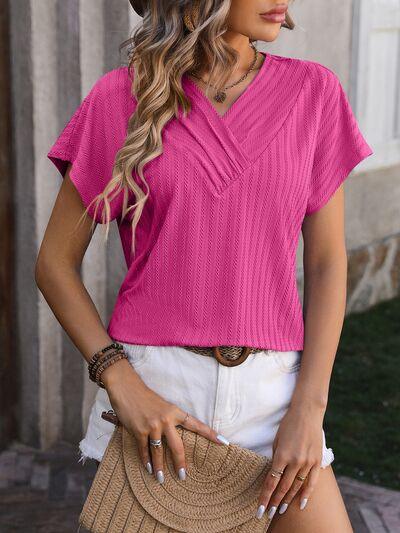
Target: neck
241,44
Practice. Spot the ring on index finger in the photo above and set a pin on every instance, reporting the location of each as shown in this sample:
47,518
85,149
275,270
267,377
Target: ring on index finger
156,443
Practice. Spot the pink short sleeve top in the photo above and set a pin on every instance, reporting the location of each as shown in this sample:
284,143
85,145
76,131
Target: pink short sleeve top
215,260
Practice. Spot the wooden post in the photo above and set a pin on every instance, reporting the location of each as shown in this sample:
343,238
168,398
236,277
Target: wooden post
8,358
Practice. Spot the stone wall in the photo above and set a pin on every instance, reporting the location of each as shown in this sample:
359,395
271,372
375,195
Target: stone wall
373,273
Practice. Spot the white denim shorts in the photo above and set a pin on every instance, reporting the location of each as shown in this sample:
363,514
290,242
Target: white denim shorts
245,403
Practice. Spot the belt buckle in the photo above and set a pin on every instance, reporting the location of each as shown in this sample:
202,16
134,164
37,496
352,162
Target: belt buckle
231,362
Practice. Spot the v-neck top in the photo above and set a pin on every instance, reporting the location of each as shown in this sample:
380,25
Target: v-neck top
215,260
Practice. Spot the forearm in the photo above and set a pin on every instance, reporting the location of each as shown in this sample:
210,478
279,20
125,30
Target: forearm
324,308
64,291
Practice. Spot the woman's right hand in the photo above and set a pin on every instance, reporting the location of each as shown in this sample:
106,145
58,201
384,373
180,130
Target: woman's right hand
146,415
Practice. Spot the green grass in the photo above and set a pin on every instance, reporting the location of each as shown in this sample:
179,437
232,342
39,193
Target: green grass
362,422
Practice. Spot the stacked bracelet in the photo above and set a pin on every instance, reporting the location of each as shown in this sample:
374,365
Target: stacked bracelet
105,350
103,359
106,363
95,363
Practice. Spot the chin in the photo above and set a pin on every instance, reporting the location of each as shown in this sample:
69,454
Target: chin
268,35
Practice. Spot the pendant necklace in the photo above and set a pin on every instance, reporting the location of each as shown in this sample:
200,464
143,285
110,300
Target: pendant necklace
220,94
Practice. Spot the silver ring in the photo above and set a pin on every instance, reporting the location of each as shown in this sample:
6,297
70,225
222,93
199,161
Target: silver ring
156,443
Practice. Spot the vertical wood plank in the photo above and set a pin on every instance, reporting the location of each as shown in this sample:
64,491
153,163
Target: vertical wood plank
26,335
91,57
70,95
8,357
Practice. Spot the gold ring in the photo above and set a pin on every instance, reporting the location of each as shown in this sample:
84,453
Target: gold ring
301,478
276,473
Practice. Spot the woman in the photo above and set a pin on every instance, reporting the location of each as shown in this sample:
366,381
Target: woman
232,173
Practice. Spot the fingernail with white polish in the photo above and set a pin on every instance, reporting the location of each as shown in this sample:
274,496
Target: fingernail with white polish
303,503
283,508
223,439
149,468
272,511
182,473
260,511
160,476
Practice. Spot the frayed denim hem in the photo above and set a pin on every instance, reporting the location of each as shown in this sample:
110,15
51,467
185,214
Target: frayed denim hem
327,457
87,452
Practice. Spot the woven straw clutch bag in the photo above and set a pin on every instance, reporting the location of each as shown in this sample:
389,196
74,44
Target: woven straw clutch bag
220,492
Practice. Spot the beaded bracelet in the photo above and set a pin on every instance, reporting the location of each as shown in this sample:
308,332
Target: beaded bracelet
106,363
101,352
110,361
101,360
93,367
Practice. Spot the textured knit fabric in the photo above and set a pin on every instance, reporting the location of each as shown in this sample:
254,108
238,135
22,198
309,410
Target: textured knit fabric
216,244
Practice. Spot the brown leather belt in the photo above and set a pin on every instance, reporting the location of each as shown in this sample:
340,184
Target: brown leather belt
226,355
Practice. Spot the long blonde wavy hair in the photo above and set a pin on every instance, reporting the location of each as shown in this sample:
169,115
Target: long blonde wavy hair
163,48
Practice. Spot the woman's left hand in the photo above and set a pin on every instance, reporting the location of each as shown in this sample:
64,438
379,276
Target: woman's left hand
297,451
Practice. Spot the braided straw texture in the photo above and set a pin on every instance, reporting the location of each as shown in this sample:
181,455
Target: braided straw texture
220,492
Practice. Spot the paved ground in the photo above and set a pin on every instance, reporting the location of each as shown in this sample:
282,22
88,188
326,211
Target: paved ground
43,492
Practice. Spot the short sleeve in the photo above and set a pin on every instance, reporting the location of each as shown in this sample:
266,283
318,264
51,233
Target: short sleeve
90,141
339,146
